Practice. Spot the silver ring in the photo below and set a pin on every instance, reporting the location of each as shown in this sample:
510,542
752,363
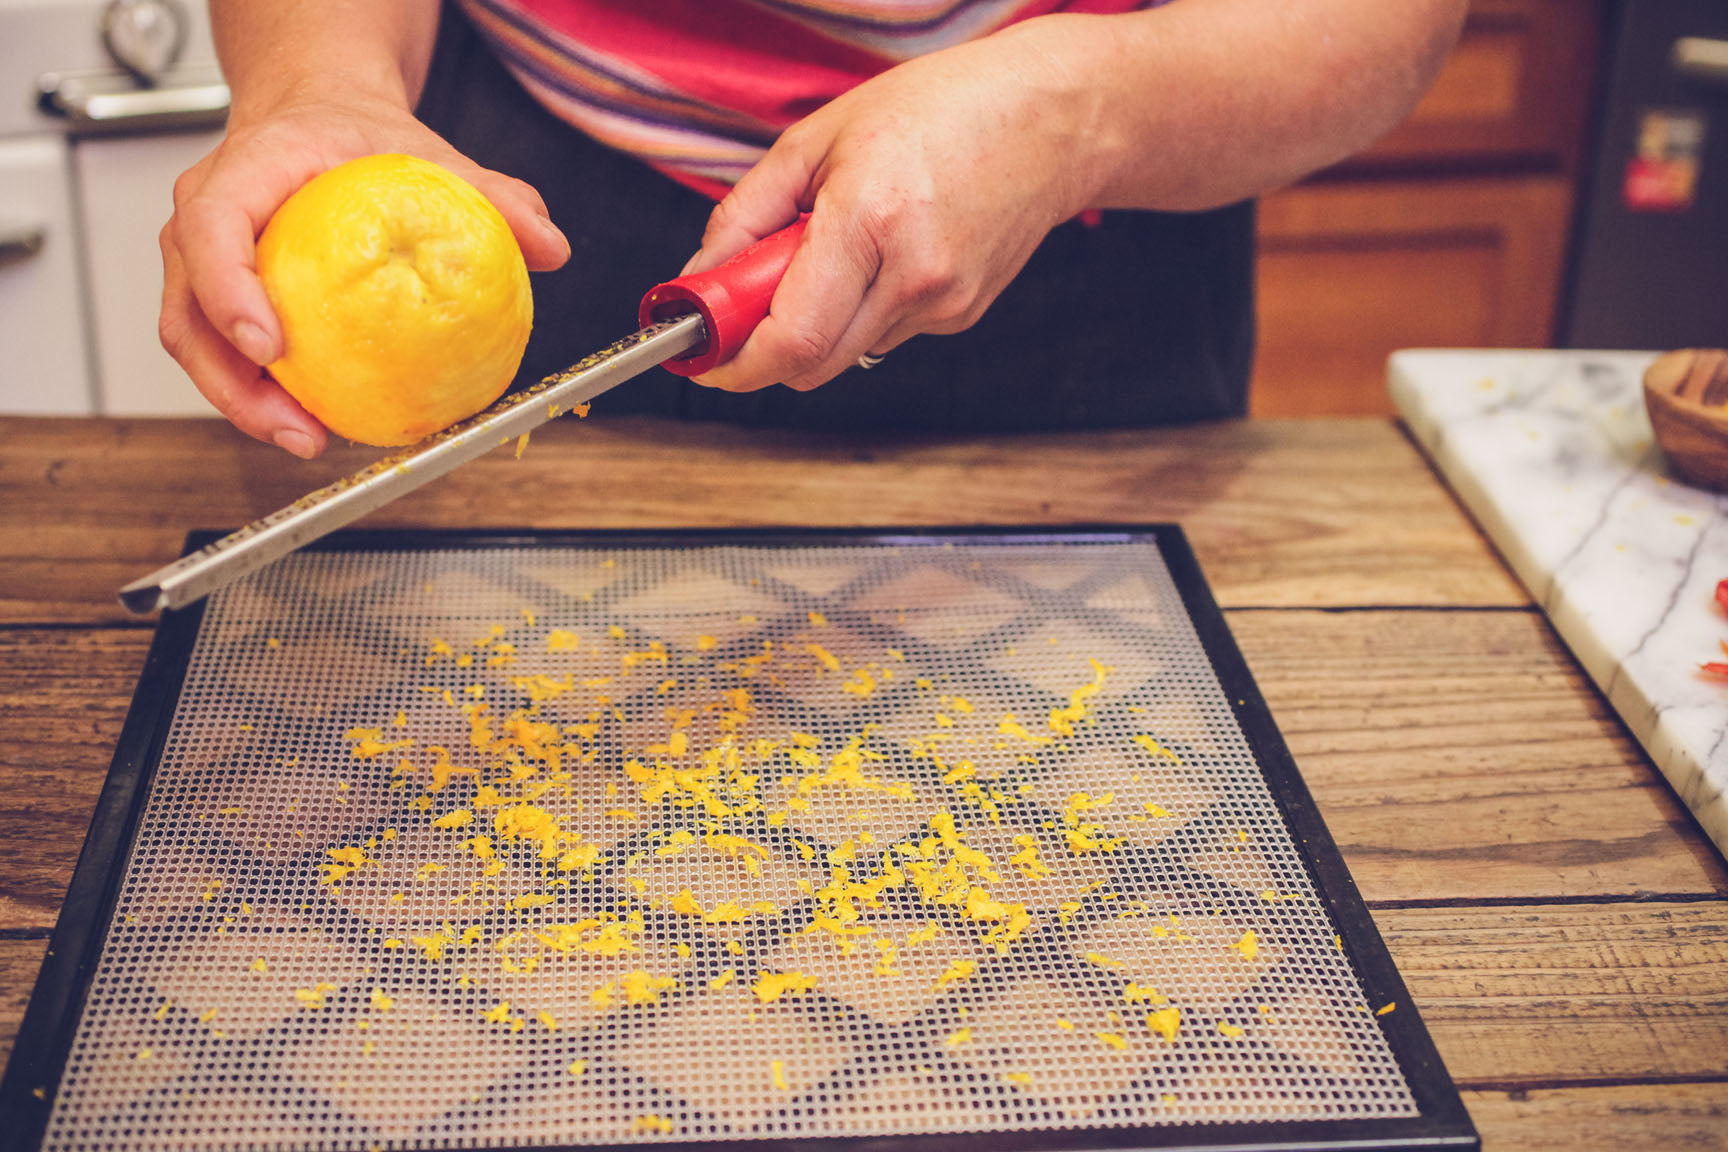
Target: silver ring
867,361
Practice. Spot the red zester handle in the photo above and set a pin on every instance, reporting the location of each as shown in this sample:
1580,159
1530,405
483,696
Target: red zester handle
732,298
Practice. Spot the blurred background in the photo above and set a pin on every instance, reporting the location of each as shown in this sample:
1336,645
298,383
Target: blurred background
1565,183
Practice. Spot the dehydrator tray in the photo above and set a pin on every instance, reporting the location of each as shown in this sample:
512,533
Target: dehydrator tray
824,839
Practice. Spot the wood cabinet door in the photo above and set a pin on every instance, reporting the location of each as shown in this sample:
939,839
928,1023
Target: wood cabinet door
1351,271
1513,95
1449,232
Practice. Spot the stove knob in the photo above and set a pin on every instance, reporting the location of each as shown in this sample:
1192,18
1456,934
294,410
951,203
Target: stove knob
144,36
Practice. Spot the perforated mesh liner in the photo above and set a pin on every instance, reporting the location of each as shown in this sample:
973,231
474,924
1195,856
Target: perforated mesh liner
720,896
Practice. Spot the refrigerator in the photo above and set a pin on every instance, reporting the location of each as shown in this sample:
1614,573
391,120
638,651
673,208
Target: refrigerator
1648,266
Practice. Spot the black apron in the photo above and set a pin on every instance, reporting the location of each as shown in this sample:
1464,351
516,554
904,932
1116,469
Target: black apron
1143,318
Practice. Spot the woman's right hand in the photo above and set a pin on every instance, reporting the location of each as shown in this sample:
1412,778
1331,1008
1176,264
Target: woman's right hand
216,319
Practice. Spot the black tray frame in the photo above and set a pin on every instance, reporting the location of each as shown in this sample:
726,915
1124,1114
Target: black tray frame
45,1036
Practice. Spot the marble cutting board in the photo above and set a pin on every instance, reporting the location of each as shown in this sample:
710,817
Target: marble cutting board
1552,453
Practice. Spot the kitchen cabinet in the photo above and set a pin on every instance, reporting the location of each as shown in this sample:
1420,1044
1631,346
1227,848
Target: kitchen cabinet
1451,231
85,185
42,348
126,192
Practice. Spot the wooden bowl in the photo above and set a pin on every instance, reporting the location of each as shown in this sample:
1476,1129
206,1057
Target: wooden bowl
1686,394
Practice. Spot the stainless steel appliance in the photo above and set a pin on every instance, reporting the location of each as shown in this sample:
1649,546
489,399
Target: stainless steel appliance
102,105
1649,267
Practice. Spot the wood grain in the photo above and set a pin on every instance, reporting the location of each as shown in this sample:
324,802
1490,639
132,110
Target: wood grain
1353,271
1516,998
1561,925
1603,1119
1568,994
1341,513
64,695
1465,756
1453,755
1684,394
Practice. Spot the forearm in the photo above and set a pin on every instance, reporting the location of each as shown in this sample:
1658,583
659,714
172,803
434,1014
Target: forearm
1204,102
274,53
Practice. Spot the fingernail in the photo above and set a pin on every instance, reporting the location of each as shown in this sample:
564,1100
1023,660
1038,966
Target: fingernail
555,232
295,441
253,343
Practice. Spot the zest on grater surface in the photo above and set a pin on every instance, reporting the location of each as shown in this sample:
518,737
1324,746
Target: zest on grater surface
512,844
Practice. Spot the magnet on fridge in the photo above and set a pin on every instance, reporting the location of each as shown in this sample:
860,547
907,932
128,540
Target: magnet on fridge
1662,174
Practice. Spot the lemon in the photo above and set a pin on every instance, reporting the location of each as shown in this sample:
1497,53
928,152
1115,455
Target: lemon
403,297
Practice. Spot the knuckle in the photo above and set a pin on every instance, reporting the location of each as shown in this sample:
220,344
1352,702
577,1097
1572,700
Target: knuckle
723,218
801,349
930,277
957,310
793,140
174,330
890,210
190,221
880,219
529,195
196,209
504,187
185,186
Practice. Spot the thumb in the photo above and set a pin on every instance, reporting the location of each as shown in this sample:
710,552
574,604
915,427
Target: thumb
544,246
768,197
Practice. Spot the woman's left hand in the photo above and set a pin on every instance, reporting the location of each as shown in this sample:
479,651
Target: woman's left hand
929,186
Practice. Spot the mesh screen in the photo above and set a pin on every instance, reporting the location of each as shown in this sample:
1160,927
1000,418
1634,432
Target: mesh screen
515,846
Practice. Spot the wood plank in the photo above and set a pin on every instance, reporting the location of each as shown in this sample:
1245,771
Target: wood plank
1330,314
1453,755
1353,271
1526,215
1689,1116
1518,999
64,694
1463,755
1561,994
1336,513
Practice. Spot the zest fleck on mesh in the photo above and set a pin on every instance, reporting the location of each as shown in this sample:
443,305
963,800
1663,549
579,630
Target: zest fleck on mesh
505,846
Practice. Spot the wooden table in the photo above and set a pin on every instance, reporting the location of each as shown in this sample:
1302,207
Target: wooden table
1559,919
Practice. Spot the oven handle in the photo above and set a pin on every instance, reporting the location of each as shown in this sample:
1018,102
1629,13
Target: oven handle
93,108
1700,58
20,238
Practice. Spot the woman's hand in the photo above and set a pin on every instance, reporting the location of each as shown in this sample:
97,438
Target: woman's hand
929,186
216,320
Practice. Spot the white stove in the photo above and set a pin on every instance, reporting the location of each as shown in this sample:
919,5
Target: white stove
102,104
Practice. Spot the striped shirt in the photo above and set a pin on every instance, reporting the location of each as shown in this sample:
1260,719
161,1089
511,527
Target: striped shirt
700,88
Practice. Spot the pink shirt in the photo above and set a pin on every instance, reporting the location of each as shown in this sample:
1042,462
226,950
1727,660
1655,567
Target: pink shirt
700,88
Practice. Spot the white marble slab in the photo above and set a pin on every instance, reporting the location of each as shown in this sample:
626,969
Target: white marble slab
1553,455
